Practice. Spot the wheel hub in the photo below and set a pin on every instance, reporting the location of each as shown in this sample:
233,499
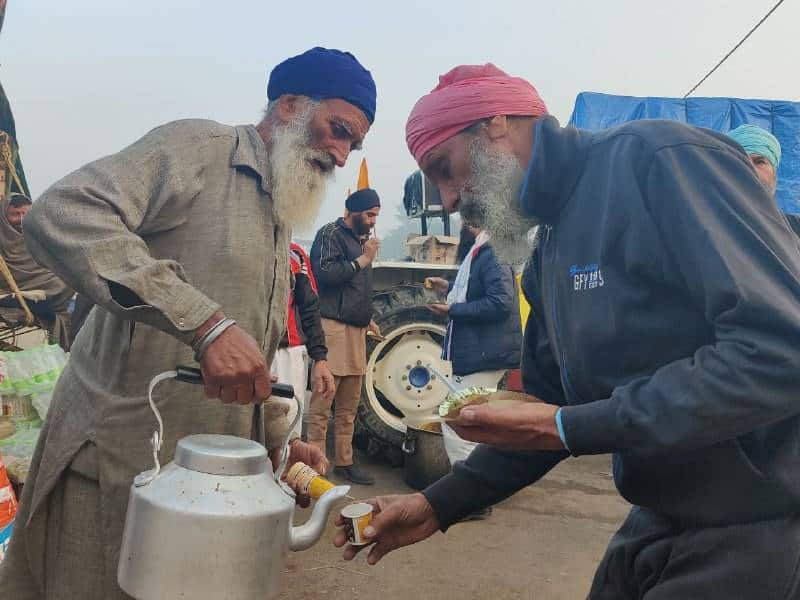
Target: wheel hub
397,370
419,377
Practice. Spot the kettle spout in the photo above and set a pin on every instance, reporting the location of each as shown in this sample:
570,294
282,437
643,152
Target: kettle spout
308,534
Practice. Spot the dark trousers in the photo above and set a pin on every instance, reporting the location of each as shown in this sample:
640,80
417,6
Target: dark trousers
653,558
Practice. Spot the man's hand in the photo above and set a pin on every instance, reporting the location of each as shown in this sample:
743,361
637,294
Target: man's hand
374,329
529,426
371,247
234,369
397,521
300,451
322,380
440,309
438,284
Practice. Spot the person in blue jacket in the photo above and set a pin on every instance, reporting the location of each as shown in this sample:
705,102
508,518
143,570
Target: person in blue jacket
665,318
484,335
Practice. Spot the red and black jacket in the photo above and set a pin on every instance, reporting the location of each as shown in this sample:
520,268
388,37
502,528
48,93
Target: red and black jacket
304,325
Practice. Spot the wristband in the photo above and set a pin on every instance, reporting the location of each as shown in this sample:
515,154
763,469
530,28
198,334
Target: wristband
201,345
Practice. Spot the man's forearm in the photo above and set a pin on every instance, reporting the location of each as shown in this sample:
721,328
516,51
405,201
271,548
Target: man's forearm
488,476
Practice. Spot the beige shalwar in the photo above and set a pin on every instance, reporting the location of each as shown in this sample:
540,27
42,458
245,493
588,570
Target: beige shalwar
347,360
158,236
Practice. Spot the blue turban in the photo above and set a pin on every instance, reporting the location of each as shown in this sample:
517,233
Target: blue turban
756,140
321,73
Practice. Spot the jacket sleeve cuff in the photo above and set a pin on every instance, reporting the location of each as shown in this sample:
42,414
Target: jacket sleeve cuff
169,302
560,427
318,353
456,310
455,496
591,428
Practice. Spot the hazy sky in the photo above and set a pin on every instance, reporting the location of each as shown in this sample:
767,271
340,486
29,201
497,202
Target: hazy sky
87,77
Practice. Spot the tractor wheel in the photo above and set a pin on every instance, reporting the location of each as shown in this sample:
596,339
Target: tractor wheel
398,382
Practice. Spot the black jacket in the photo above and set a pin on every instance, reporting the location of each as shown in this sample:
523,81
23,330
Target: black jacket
345,291
491,312
665,298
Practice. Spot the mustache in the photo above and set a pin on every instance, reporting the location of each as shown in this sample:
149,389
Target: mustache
471,209
321,160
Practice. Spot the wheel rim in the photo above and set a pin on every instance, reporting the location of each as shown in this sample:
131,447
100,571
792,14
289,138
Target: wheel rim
397,373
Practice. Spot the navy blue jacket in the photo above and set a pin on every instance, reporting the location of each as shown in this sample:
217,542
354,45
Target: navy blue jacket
665,298
487,334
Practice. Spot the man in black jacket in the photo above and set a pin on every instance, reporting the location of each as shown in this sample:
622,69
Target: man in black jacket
664,328
341,257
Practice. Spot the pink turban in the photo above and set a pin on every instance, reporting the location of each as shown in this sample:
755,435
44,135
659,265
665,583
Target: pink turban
467,94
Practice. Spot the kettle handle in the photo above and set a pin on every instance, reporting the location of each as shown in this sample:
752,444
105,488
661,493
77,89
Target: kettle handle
281,390
195,376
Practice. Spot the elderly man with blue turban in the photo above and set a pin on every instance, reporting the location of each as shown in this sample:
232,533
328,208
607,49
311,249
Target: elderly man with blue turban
764,151
181,242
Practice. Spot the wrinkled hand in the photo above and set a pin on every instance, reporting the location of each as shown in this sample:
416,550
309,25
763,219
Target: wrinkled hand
397,521
439,285
529,426
440,309
371,247
322,378
234,368
300,451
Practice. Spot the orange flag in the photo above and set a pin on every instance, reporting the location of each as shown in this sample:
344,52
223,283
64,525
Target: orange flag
363,176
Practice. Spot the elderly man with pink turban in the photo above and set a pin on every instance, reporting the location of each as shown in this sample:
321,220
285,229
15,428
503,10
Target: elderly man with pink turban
664,287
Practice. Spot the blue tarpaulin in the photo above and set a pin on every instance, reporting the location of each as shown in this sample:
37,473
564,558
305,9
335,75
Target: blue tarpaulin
782,118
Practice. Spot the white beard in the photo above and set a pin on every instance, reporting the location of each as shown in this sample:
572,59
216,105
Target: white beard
298,187
490,200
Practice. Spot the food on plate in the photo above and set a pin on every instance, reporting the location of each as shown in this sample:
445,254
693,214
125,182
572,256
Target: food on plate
455,401
432,426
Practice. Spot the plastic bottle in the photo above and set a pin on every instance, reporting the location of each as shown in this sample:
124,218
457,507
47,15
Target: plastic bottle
8,510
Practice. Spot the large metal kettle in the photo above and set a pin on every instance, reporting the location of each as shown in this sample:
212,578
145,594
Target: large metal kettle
215,523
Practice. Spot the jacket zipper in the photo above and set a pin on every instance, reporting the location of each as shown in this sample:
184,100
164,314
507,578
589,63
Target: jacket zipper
562,363
341,301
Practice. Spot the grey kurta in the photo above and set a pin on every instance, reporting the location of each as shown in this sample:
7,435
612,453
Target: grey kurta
184,219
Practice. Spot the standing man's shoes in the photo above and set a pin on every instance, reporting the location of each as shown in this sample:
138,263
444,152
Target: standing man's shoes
355,474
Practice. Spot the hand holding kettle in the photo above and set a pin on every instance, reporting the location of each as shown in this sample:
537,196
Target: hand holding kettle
233,366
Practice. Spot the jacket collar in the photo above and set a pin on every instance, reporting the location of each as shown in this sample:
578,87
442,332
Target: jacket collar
343,225
250,152
557,161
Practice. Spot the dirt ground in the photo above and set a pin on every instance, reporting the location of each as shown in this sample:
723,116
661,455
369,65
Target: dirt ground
542,544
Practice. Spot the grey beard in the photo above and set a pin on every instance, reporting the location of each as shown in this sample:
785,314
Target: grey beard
490,200
298,188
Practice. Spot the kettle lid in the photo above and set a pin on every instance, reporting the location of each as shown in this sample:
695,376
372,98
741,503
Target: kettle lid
221,455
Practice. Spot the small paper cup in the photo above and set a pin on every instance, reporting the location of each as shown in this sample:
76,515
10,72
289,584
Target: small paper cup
356,518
